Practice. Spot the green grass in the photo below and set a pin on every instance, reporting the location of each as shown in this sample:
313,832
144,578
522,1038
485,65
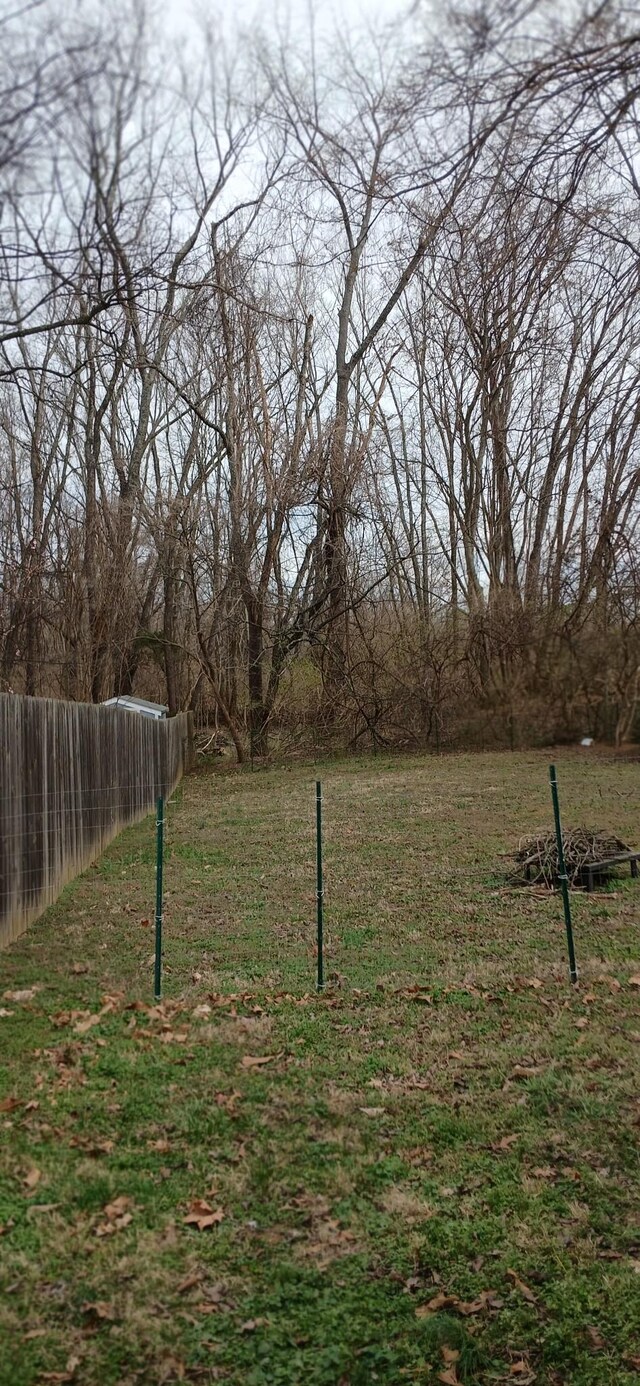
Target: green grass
476,1141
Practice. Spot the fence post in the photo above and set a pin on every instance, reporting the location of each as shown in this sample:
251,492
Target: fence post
562,873
159,864
319,885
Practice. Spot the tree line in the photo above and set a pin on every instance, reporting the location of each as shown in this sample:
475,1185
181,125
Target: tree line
320,372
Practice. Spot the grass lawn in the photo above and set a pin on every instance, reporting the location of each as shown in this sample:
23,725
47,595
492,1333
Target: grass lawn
253,1185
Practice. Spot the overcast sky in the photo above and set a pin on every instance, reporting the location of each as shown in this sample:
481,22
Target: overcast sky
328,12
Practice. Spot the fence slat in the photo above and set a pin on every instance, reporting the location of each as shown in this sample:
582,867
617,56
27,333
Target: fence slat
72,775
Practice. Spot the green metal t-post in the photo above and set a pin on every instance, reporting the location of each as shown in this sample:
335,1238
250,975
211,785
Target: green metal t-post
562,874
319,885
159,863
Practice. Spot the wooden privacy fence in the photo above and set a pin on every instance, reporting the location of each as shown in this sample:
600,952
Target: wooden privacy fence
72,775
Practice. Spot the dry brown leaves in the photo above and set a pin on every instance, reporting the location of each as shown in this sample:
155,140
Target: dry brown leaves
89,1146
522,1289
84,1021
100,1311
504,1144
228,1101
556,1172
486,1300
449,1375
82,1027
521,1373
32,1178
527,1071
202,1216
60,1378
9,1104
117,1216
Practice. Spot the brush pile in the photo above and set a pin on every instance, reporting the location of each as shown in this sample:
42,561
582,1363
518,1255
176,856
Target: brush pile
537,856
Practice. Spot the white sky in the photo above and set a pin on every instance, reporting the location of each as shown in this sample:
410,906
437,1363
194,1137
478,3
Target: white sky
242,12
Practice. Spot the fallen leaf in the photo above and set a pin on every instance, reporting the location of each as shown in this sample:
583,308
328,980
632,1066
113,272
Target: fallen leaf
582,1022
189,1283
32,1177
4,1012
251,1325
522,1289
36,1209
27,994
171,1369
9,1104
527,1071
60,1378
505,1143
596,1340
117,1216
202,1215
633,981
83,1026
449,1377
228,1101
449,1355
256,1061
100,1309
91,1147
485,1300
544,1172
80,968
521,1369
372,1111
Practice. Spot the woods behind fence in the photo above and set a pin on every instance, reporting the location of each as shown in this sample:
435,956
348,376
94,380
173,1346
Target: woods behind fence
71,776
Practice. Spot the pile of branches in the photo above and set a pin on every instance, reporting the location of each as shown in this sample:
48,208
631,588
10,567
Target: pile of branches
537,856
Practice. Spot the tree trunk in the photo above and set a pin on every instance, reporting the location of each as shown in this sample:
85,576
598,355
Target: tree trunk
258,712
